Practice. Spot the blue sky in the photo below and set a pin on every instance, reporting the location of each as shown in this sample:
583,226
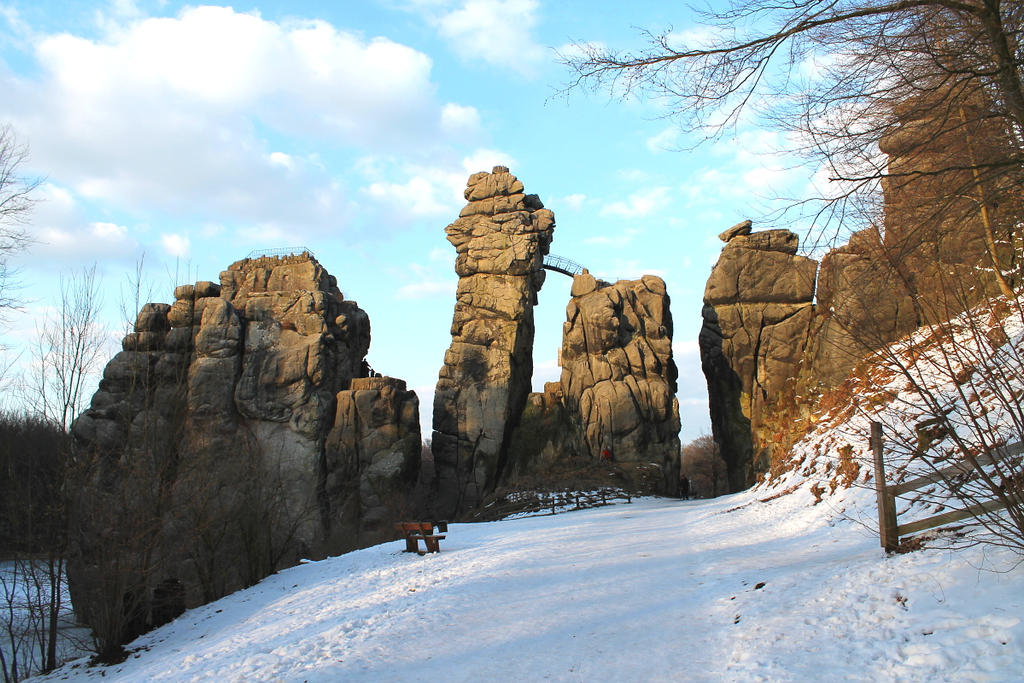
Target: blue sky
196,134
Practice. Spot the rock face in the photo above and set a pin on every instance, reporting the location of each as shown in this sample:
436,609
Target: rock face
768,350
235,434
618,378
373,453
501,237
946,226
757,315
618,383
546,438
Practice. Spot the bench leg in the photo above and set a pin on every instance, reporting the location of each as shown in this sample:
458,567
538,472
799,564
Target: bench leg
433,545
411,546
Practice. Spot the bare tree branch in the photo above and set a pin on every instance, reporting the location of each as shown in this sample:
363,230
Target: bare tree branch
15,205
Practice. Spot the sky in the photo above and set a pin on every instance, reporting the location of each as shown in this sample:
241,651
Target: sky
185,137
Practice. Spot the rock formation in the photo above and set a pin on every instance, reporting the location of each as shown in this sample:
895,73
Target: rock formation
768,349
618,378
501,237
372,453
618,383
757,314
234,434
947,225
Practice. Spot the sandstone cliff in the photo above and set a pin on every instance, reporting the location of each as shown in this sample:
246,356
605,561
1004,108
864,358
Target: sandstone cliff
757,314
618,377
501,237
618,383
234,434
778,331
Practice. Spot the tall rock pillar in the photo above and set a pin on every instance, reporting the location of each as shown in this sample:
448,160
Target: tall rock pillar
618,377
757,316
501,237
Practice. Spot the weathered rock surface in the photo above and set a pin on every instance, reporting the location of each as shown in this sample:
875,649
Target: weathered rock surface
768,351
757,316
501,237
939,215
617,389
618,377
546,438
234,435
373,451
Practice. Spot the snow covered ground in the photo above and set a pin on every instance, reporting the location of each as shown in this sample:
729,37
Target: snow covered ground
727,589
785,582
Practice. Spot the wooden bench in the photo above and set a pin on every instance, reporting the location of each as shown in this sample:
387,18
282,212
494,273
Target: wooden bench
413,532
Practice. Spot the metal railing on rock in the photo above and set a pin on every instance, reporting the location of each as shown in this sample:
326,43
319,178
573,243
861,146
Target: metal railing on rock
560,264
280,251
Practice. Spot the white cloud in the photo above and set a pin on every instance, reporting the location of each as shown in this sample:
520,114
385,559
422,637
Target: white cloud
210,230
666,140
110,231
816,65
579,50
61,233
633,175
178,109
620,240
498,32
633,269
695,38
175,244
572,201
426,290
417,197
685,348
56,204
486,159
96,241
399,192
402,191
441,255
281,159
263,236
435,280
766,179
640,204
460,121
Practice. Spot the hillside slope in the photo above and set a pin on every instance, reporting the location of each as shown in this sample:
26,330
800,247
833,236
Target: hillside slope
785,581
729,589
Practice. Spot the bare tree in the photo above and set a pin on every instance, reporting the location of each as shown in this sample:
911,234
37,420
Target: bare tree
702,464
33,582
69,348
15,204
866,60
30,460
914,109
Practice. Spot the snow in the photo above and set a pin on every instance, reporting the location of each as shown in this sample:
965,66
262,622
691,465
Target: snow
785,582
653,590
24,602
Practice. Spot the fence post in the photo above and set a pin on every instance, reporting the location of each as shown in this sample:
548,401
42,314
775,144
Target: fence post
886,501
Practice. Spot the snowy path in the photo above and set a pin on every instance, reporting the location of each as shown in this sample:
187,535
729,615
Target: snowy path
655,590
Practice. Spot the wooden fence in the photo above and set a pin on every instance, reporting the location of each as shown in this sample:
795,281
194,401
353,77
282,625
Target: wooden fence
550,502
888,528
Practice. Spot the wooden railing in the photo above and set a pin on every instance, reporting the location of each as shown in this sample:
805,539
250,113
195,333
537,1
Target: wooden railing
890,530
551,502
